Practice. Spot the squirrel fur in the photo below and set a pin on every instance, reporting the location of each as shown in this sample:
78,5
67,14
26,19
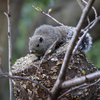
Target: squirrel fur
45,35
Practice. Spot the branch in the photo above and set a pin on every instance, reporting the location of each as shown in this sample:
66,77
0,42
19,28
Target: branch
91,25
88,27
83,86
92,84
49,50
80,80
5,75
83,3
77,87
9,46
95,12
47,14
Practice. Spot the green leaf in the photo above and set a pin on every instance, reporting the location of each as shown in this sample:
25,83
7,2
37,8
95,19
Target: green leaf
49,10
83,72
49,51
39,9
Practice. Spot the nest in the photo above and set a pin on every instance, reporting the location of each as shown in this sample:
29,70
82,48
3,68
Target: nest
48,73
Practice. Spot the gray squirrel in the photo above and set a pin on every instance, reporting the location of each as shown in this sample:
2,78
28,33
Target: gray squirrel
45,35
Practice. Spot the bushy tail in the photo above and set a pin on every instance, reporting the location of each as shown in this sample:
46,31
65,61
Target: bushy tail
86,42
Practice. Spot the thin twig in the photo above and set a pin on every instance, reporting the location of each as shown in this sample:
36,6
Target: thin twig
88,20
9,47
88,27
80,40
83,3
5,75
91,25
80,86
95,12
49,50
77,87
47,14
91,84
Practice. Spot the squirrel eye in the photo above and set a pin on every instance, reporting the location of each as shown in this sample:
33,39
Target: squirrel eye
37,45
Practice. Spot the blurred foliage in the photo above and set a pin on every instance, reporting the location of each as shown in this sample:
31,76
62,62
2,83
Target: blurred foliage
93,55
28,11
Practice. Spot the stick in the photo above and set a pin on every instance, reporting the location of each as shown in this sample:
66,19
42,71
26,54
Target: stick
47,14
46,53
5,75
9,46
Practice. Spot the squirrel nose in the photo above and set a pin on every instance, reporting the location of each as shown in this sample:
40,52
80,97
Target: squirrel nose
32,51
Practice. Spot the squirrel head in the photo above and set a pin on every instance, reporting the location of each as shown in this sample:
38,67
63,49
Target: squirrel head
36,45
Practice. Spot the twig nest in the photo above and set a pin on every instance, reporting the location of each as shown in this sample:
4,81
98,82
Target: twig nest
48,73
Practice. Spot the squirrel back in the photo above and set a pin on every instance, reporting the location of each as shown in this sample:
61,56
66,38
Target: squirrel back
45,35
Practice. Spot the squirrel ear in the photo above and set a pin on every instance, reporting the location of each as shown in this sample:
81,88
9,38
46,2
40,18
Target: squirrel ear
40,39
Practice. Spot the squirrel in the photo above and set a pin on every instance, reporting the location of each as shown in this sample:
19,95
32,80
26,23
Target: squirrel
45,35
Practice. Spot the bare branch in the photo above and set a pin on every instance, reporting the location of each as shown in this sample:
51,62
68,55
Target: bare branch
92,24
95,12
80,80
49,50
77,87
88,27
5,75
83,3
92,84
83,86
9,46
47,14
88,19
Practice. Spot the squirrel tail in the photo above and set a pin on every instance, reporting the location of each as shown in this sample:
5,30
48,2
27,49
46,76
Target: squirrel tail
86,42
